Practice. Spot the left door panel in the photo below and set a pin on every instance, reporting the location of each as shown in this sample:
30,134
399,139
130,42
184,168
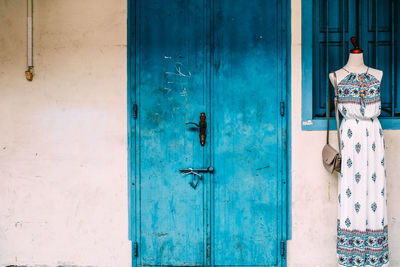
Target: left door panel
170,91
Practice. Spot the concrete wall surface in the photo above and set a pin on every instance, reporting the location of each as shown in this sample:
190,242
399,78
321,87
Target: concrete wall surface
63,144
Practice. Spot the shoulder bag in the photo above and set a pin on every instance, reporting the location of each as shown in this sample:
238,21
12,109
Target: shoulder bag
331,158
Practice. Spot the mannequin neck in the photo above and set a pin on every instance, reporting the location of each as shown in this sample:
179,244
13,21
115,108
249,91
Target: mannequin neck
355,63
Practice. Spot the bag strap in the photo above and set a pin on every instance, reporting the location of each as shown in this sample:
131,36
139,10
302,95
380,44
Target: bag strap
336,112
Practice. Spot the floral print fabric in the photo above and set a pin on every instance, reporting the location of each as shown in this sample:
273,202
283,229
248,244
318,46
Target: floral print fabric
362,234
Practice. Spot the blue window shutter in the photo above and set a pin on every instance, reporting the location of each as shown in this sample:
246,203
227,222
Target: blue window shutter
334,23
377,33
326,31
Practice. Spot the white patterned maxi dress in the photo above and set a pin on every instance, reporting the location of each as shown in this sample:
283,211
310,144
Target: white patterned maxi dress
362,233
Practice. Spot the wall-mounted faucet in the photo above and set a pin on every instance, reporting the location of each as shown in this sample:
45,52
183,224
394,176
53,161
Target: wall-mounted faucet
29,72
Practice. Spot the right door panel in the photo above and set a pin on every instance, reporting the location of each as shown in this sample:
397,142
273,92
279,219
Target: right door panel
247,132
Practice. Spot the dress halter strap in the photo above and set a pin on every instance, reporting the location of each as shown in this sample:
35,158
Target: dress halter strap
353,72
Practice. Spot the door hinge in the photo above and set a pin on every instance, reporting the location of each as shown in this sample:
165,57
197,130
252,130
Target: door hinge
283,248
134,109
135,249
282,108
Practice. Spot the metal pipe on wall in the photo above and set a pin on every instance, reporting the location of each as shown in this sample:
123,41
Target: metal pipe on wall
29,72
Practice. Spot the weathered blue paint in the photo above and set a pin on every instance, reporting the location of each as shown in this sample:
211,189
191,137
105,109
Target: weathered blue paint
171,91
230,61
288,192
131,129
326,29
247,139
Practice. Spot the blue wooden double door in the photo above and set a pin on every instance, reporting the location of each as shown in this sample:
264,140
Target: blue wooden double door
208,139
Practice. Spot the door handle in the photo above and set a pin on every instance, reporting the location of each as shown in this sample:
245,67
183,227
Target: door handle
202,125
196,174
190,170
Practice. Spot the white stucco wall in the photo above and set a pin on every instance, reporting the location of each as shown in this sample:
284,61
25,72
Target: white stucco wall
63,150
314,192
63,143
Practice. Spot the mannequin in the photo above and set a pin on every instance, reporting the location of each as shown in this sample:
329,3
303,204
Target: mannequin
355,64
362,230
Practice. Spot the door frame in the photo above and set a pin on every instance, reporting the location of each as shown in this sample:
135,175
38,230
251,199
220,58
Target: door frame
132,128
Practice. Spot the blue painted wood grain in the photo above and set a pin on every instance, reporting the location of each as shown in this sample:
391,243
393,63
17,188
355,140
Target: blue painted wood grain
229,61
247,90
171,93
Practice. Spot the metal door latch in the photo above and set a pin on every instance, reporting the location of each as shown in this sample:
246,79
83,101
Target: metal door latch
196,174
202,126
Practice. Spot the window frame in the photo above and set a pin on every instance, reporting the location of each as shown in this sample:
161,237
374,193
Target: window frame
308,122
